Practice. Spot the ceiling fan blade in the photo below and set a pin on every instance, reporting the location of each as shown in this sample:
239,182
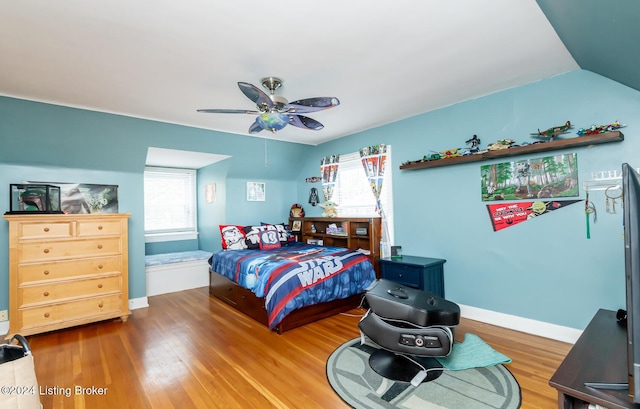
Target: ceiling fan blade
229,111
255,94
312,104
255,127
305,122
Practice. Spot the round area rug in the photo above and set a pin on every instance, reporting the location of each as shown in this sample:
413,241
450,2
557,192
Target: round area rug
352,378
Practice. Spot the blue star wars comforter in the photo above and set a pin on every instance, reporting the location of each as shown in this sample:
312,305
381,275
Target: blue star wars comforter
297,275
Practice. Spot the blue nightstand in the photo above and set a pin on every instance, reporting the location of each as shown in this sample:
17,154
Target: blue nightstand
418,272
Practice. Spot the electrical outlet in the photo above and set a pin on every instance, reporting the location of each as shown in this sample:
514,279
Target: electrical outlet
4,315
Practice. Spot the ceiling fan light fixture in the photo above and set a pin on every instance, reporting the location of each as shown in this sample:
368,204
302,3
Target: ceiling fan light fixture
273,121
275,112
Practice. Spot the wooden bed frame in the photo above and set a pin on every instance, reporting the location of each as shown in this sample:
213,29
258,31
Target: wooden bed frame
245,300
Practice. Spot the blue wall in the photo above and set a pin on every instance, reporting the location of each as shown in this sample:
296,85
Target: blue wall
544,269
58,144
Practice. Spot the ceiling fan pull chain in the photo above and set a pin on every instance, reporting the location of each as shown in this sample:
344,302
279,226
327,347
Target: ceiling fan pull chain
266,160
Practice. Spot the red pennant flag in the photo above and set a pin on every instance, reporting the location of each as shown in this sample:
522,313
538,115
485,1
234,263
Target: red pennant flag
505,215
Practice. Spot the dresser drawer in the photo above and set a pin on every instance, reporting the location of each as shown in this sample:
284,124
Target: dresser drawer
35,251
98,228
28,295
402,274
57,313
30,273
40,230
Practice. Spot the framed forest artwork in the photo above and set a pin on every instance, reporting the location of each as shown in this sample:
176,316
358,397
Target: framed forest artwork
539,178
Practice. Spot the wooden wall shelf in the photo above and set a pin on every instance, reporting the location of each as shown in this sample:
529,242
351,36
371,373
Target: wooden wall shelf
587,140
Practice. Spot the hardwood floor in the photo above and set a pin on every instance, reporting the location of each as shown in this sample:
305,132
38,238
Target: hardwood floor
188,350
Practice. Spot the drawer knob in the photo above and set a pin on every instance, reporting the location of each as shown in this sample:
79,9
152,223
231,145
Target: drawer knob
99,266
101,304
46,229
99,227
46,251
46,315
46,293
400,275
46,272
99,285
99,246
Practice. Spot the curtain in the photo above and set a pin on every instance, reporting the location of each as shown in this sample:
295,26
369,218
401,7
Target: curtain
329,171
374,160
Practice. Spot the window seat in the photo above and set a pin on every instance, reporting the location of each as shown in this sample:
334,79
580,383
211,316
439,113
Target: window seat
178,271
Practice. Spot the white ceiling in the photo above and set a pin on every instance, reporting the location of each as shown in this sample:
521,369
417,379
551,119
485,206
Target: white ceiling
161,60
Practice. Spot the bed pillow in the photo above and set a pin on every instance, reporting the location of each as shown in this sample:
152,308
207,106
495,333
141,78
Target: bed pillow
269,238
233,237
285,234
252,234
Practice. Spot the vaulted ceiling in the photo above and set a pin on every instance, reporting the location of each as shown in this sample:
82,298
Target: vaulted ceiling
602,36
384,60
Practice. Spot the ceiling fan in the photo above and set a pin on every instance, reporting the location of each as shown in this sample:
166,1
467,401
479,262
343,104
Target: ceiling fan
275,112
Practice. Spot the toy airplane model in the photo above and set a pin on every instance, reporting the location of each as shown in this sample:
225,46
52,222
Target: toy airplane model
551,133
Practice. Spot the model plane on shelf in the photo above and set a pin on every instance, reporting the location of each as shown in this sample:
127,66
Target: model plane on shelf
551,133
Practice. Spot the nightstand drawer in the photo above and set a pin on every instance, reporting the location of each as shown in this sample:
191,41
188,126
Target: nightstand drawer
422,273
401,274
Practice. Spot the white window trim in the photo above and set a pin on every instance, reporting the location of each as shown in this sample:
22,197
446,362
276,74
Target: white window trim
160,237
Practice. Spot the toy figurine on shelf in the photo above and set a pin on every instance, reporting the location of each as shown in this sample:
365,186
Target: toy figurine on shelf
330,209
551,133
475,144
597,129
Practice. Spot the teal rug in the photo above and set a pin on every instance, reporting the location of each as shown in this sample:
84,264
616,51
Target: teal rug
473,352
351,377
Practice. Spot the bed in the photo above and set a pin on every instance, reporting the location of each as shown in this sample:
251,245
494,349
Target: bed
290,286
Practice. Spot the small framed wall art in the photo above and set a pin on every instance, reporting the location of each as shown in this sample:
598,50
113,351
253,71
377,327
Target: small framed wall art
210,193
256,191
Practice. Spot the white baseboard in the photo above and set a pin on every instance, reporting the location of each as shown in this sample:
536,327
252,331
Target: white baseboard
135,303
540,328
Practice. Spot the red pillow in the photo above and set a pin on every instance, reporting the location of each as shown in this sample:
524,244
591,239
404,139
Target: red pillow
233,237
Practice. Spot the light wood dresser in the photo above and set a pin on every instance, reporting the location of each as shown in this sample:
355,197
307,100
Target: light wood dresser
66,270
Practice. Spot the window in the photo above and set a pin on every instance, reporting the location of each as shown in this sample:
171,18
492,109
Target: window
169,204
352,191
